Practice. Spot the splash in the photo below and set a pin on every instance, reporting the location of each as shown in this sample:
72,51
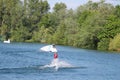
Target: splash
56,63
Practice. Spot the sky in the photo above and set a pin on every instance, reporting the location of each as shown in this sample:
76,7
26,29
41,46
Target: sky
70,3
76,3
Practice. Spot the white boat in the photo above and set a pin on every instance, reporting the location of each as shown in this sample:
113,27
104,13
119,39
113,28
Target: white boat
8,41
48,48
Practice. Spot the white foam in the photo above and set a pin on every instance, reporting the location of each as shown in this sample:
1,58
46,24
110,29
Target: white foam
56,63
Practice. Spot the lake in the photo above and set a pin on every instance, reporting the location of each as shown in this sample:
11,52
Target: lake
25,61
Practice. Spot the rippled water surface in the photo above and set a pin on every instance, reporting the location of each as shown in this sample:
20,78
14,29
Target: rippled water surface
24,61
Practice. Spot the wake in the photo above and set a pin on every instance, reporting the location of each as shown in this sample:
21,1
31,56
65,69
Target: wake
56,64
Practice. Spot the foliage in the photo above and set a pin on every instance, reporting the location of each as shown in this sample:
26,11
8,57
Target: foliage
115,43
93,25
103,44
59,6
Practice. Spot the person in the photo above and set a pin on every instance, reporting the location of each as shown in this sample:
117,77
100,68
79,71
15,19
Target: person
55,61
55,51
55,55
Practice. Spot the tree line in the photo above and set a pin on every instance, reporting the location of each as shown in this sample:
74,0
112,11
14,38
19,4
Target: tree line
94,25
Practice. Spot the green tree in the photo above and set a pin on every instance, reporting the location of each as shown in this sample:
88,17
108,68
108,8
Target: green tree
117,11
1,12
111,28
9,16
59,6
37,10
19,34
115,43
58,37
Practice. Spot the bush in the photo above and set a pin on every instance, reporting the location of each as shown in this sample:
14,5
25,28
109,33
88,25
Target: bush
115,43
103,44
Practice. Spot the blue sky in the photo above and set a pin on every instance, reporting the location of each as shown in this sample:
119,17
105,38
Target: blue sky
70,3
75,3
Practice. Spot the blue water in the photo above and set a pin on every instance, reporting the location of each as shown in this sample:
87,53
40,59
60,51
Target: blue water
23,61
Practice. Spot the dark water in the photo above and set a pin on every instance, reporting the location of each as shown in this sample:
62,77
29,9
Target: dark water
23,61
